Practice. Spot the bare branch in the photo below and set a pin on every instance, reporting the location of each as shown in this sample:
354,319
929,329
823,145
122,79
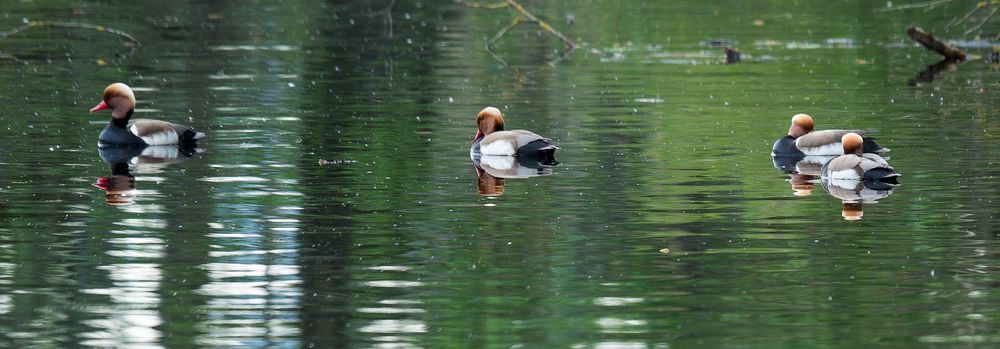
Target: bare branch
929,42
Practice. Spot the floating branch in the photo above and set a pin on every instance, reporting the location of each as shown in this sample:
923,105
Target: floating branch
929,42
521,15
32,24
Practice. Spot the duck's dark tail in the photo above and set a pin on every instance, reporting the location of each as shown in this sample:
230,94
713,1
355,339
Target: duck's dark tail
540,150
869,146
882,175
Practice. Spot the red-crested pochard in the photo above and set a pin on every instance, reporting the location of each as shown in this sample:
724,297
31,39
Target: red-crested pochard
120,131
491,139
855,167
802,140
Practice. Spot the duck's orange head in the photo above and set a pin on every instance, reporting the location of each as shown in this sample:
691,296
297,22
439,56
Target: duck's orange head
852,211
852,143
802,185
801,125
488,120
119,98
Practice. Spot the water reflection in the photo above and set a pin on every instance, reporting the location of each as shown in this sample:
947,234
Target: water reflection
803,171
932,71
855,193
491,170
119,187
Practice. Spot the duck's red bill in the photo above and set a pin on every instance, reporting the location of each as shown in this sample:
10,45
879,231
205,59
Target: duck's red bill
99,106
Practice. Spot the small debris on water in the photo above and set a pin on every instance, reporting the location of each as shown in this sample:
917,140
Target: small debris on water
324,162
732,55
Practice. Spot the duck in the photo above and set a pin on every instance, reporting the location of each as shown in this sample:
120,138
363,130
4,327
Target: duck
857,168
491,139
802,140
122,131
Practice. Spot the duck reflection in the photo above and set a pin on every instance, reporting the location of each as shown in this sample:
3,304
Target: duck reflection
855,193
119,187
803,171
491,170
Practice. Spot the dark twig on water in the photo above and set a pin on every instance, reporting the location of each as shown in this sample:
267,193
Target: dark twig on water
952,56
732,55
929,42
521,15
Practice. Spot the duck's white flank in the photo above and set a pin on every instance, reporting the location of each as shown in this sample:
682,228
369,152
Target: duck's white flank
497,162
160,138
828,149
499,147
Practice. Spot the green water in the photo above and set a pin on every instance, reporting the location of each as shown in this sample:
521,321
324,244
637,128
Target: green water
666,224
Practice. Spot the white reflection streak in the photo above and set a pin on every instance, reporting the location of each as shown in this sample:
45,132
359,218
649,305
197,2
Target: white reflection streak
395,326
254,291
391,331
616,301
620,345
616,325
393,283
6,301
132,321
235,270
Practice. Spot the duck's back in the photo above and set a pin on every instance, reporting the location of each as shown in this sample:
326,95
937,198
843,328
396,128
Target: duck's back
507,142
825,142
156,132
870,161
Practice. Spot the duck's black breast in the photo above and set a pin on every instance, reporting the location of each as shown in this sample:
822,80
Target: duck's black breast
114,135
785,146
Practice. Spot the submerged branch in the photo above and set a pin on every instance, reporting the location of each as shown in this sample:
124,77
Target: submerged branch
501,4
966,17
929,4
100,28
32,24
521,15
387,12
929,42
980,25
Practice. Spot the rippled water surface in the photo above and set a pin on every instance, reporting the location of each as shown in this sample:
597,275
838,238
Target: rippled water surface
333,202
